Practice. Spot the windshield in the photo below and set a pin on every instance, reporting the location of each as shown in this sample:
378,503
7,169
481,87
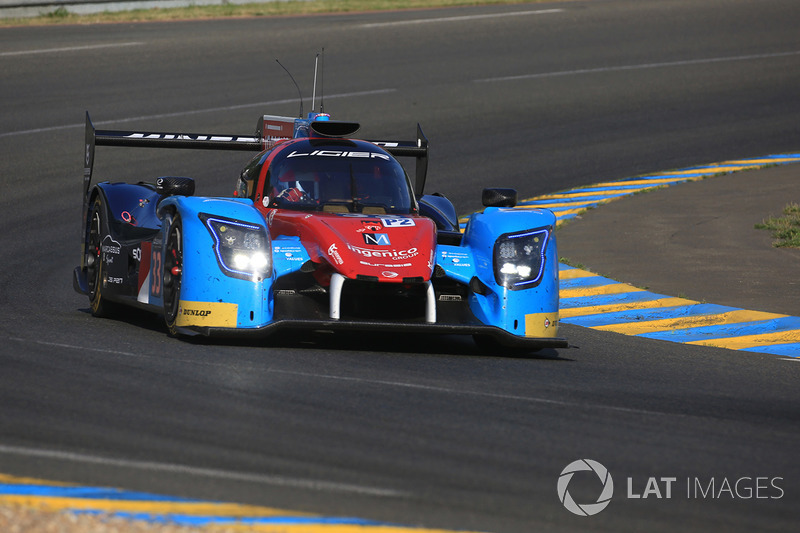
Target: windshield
339,179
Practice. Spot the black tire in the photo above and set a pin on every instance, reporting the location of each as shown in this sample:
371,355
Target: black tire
173,275
96,232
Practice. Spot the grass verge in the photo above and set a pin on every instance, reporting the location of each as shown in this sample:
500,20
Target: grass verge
785,229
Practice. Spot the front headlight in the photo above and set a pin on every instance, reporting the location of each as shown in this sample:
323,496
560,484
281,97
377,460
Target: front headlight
519,258
242,249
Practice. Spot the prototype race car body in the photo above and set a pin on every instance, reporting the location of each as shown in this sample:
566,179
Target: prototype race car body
323,232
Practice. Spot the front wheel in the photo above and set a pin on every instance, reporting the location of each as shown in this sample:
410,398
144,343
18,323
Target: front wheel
173,274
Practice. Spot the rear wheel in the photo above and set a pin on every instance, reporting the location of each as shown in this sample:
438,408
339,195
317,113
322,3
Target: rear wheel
94,260
173,275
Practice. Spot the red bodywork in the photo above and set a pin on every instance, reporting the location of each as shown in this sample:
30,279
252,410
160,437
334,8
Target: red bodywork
387,248
393,248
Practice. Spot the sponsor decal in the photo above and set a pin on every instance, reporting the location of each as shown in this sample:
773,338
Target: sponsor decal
290,253
376,239
386,265
398,222
265,201
541,325
457,259
143,281
155,272
333,253
389,274
185,137
110,248
210,314
340,153
370,225
400,255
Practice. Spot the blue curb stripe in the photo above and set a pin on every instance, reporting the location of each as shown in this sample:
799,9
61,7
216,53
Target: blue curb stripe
790,349
591,281
654,313
606,299
726,331
88,493
203,521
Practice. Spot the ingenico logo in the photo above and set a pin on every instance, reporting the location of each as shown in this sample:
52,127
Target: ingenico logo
585,509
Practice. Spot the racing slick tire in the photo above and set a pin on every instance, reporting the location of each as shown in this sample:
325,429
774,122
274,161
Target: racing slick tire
173,274
98,304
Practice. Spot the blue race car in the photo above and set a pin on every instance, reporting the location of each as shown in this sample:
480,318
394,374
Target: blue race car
322,232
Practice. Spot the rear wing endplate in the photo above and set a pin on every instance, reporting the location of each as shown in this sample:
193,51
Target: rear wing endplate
417,149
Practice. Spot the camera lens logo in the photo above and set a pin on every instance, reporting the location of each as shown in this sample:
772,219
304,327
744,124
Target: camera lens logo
586,509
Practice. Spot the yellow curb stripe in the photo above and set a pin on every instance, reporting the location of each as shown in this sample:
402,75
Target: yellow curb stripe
322,528
666,324
613,288
57,503
767,161
627,306
592,193
576,273
752,341
651,181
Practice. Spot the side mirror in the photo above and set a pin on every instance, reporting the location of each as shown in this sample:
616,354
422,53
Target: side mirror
499,197
174,185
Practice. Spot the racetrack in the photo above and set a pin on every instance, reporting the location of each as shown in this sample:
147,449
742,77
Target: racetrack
413,431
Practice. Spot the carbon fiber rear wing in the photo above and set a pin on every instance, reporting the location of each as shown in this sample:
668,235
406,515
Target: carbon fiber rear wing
271,130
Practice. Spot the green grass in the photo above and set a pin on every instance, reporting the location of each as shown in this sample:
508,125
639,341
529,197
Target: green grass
785,229
268,9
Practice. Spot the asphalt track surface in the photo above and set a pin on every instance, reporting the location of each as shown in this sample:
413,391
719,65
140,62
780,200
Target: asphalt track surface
411,431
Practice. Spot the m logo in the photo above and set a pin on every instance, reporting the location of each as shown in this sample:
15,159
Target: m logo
376,239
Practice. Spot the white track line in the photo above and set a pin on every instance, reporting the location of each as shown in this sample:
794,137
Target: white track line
68,49
459,19
638,67
192,112
213,473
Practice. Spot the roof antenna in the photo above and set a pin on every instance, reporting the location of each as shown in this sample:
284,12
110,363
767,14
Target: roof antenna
322,82
314,90
295,84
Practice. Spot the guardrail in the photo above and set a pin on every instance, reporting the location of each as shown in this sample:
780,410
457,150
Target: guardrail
34,8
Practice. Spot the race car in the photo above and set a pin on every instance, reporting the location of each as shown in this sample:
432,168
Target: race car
322,232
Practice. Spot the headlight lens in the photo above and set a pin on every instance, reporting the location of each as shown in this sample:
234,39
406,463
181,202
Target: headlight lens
519,258
243,250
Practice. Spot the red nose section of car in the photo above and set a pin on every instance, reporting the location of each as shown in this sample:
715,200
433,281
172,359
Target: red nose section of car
388,248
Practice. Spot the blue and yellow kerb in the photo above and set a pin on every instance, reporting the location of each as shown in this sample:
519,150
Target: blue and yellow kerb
184,512
592,301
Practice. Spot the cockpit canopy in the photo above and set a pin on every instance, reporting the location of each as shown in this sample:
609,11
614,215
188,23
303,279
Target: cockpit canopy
338,176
